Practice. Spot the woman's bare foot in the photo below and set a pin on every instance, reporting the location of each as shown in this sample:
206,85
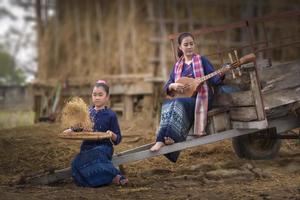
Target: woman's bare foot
120,180
169,141
200,134
157,146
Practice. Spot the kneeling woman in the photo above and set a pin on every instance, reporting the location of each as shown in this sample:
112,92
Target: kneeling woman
92,167
179,114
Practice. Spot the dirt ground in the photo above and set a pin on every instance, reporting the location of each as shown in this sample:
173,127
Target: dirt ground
207,172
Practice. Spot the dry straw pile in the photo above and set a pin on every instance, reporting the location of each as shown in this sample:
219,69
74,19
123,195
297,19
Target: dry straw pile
75,114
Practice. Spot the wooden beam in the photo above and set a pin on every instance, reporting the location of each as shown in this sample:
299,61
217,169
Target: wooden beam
281,97
243,98
283,77
140,155
243,114
256,90
250,125
135,88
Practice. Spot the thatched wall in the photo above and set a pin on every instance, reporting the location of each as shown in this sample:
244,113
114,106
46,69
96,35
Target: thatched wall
88,40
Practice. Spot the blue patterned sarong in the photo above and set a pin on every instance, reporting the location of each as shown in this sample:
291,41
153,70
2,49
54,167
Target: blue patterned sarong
177,117
93,168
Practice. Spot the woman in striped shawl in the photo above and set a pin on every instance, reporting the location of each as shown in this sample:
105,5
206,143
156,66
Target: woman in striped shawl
179,114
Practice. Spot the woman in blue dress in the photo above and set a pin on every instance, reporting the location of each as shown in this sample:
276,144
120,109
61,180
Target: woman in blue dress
92,167
179,114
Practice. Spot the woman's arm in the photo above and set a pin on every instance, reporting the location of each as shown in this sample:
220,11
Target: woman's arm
115,129
208,68
170,87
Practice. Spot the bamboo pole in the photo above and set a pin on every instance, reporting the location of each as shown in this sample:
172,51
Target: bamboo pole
133,36
120,36
163,34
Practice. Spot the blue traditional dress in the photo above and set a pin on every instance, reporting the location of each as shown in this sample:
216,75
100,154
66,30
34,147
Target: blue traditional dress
177,115
92,167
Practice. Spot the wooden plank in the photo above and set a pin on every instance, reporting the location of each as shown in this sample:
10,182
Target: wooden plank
139,88
261,64
219,122
118,160
285,123
216,111
141,153
255,87
285,81
280,68
281,97
243,113
243,98
250,125
137,149
280,76
282,124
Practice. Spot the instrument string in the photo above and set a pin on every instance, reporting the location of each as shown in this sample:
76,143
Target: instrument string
187,85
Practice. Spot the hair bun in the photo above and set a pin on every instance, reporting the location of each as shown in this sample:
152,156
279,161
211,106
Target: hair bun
102,81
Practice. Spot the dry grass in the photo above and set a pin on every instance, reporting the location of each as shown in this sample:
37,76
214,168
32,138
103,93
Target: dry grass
75,114
15,118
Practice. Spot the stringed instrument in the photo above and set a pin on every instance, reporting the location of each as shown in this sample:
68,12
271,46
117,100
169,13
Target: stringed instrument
191,84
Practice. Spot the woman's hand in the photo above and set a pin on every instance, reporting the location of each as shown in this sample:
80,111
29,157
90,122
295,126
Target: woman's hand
113,135
178,87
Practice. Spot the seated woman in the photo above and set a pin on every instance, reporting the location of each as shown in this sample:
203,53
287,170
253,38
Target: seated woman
179,114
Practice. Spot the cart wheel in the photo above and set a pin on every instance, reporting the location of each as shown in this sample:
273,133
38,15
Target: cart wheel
260,145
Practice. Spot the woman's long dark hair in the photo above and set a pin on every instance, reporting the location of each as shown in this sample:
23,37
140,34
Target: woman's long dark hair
180,38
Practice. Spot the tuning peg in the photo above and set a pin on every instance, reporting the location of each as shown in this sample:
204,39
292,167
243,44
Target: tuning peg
239,71
230,57
237,60
236,56
233,74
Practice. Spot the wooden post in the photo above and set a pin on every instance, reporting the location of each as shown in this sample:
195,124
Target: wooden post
78,38
190,15
133,36
99,19
174,10
162,45
153,28
39,16
256,90
128,107
42,73
120,36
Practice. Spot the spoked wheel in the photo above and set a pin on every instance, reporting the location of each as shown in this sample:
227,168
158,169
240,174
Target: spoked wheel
260,145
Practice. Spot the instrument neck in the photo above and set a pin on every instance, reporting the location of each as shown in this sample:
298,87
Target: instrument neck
222,70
